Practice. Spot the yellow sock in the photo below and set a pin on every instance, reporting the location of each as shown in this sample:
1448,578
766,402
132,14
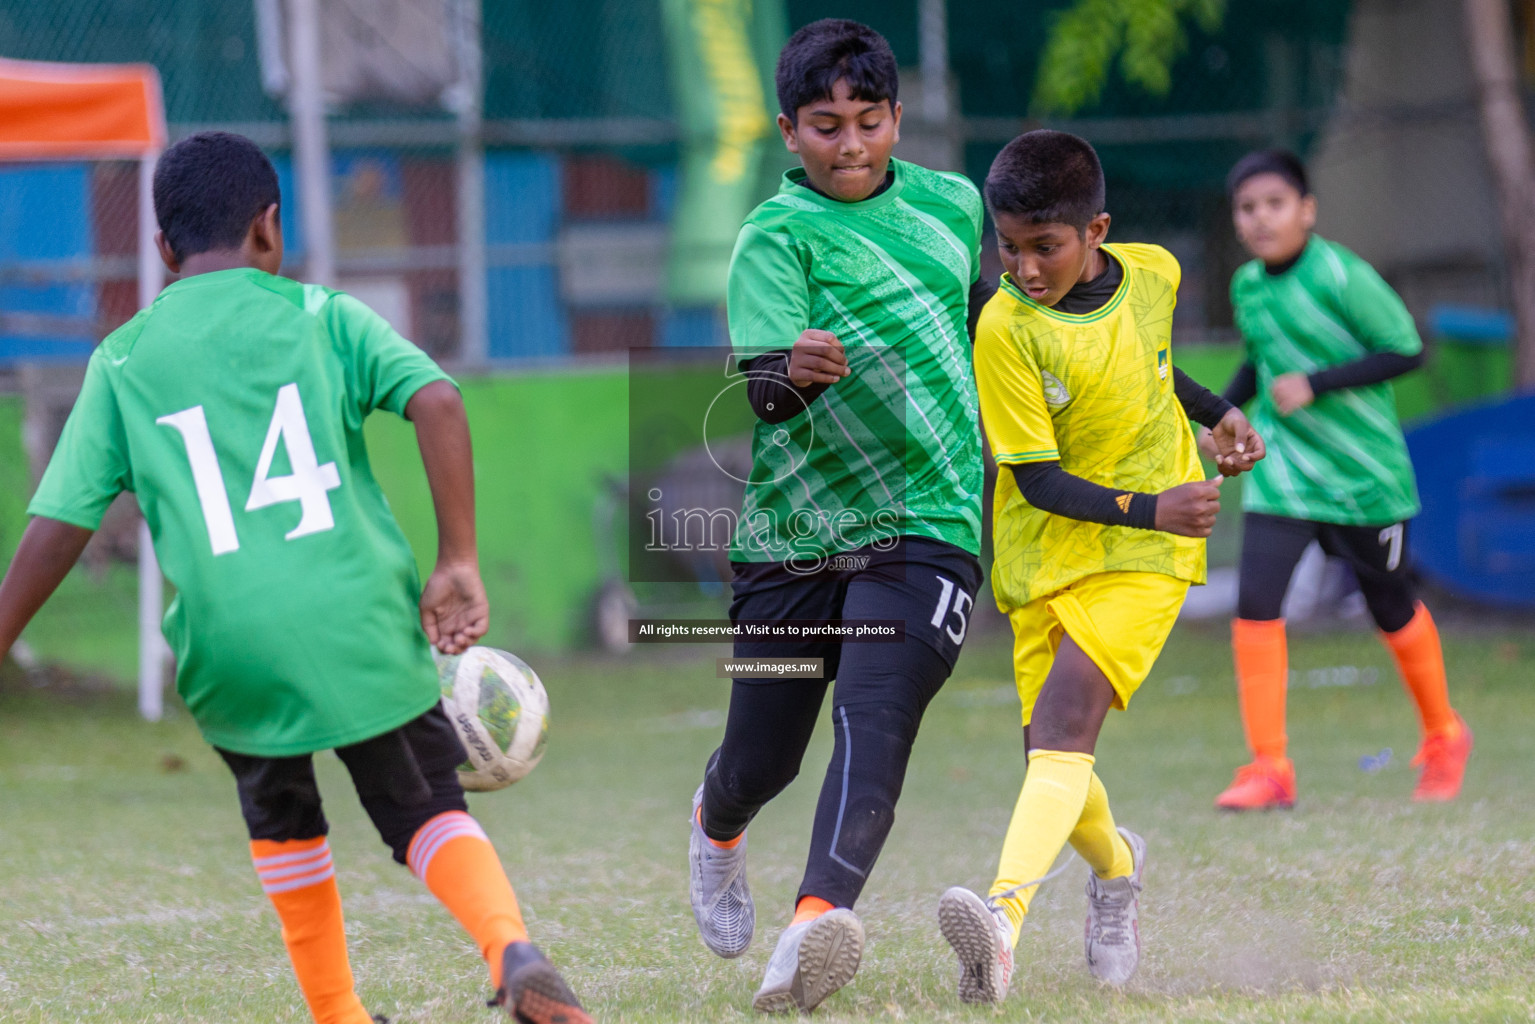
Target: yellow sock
1096,838
1049,807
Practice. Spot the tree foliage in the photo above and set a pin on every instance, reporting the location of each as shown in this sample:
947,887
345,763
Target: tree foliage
1145,37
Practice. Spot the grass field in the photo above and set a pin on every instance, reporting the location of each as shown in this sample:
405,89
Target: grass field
126,892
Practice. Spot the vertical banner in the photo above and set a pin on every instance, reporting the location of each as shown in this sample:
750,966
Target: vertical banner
721,55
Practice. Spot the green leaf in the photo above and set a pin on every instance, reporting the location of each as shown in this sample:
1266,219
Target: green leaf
1146,37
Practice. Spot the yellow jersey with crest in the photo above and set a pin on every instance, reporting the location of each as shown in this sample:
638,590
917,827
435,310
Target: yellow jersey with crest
1094,391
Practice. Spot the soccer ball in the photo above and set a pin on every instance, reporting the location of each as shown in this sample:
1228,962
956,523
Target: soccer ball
501,712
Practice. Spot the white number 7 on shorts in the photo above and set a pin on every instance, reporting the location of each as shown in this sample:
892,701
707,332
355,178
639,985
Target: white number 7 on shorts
1391,539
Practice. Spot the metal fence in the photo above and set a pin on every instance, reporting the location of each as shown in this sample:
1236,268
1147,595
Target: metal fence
571,130
506,197
555,157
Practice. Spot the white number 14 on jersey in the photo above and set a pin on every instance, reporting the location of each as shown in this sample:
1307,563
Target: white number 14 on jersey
307,482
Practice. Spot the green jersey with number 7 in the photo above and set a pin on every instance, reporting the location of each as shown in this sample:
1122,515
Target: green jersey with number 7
233,408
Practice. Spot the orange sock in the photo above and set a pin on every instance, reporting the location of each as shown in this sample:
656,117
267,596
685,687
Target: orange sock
452,856
1421,662
1262,677
809,908
723,844
300,880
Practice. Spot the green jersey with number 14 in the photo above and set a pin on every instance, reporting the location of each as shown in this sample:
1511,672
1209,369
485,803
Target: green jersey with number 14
233,408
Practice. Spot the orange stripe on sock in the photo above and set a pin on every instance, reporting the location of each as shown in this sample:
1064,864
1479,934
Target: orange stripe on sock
809,908
1262,665
723,844
312,927
462,870
1421,661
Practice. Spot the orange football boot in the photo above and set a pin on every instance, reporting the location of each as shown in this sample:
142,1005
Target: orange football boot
1266,784
1442,759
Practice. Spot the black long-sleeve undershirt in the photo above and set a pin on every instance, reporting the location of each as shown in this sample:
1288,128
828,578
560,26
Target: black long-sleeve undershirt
1362,372
1049,488
1371,369
1242,386
1200,404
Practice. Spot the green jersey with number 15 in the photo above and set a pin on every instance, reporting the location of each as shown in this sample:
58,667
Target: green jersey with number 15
233,408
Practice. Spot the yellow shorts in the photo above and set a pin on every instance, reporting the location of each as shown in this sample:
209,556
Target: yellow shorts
1119,619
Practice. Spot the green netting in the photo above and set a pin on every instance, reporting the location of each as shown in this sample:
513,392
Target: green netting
206,52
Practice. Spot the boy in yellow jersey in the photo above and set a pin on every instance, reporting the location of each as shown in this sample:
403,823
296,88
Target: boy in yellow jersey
1100,515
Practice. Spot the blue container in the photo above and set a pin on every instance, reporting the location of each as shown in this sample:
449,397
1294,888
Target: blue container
1476,473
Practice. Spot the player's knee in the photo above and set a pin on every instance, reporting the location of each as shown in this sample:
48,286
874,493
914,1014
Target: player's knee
1259,607
398,831
1391,607
749,786
282,813
895,721
397,823
283,823
1393,617
1066,728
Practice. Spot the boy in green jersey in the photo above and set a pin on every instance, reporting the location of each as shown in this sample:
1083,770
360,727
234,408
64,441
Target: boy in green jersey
1324,334
299,623
849,296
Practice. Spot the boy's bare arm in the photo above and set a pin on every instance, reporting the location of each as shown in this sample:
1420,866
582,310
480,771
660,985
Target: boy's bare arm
454,611
48,549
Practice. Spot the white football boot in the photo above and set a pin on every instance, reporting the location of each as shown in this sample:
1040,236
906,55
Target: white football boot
1113,934
982,938
811,961
722,901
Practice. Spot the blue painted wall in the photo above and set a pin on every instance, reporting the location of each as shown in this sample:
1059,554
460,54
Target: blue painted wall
45,214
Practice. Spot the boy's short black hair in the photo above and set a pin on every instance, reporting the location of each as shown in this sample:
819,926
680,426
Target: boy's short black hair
208,188
1269,161
1047,177
824,51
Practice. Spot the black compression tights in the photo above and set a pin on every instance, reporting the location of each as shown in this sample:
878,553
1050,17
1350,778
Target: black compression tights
877,707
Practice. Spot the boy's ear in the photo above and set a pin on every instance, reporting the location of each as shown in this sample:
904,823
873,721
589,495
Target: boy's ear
167,255
1097,230
787,130
266,229
895,114
1308,211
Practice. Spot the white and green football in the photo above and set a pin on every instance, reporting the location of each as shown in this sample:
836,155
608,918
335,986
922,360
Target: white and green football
501,712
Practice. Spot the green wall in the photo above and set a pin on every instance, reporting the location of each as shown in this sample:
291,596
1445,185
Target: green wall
541,445
14,485
543,442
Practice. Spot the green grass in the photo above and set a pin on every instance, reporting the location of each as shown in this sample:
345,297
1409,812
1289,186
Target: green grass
127,893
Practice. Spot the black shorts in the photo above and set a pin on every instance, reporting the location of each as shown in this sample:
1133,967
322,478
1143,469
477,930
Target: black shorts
928,586
1273,545
404,778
